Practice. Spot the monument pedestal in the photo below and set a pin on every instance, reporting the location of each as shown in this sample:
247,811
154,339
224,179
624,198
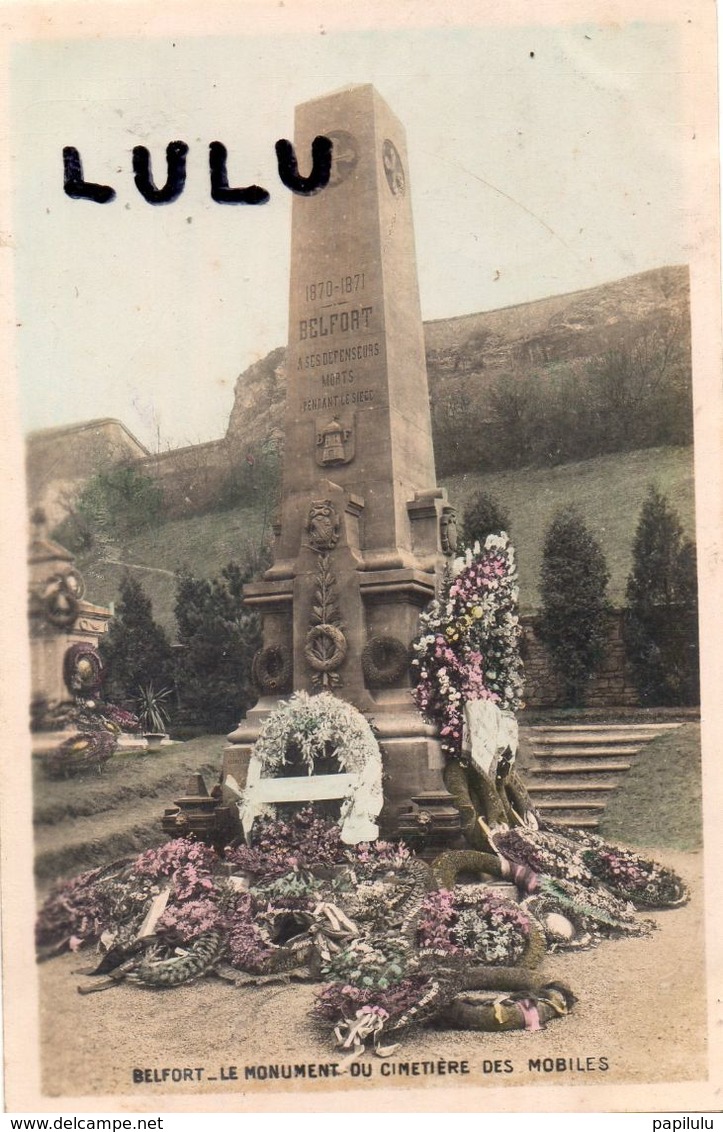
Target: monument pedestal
60,621
364,531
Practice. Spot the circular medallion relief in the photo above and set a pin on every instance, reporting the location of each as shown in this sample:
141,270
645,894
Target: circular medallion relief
344,155
393,168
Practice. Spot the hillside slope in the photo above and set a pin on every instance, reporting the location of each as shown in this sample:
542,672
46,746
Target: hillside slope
564,378
609,490
201,544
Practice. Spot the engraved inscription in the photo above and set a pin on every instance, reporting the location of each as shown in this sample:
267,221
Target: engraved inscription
328,288
339,377
339,356
339,322
337,400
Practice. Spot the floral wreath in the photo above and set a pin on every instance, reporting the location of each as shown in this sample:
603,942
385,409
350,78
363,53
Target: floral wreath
481,925
391,949
318,726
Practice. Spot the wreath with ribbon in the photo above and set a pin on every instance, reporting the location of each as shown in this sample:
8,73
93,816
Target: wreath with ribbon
524,1010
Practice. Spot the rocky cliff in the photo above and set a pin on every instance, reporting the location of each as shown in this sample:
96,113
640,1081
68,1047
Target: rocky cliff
468,356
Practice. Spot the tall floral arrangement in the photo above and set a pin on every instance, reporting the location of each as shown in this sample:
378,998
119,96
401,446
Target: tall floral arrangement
469,643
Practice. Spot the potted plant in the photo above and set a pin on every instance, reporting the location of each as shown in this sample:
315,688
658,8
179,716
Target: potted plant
153,713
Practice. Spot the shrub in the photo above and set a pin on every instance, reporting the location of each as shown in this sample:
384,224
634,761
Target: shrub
135,650
574,578
661,624
111,505
218,639
484,516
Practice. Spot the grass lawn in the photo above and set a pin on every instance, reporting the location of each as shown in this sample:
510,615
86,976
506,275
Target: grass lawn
659,802
124,777
92,819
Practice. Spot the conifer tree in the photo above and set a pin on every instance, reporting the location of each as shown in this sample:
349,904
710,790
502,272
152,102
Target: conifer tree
218,638
135,650
661,626
484,516
574,578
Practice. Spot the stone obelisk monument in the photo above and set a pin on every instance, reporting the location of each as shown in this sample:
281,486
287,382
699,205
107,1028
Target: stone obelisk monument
364,530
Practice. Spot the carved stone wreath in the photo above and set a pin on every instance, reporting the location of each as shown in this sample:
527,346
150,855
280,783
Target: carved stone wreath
385,661
326,645
448,531
344,156
325,648
272,669
393,168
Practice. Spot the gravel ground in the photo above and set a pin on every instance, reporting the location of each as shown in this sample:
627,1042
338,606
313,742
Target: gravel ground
641,1011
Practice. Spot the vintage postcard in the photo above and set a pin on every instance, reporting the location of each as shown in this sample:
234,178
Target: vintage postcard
361,557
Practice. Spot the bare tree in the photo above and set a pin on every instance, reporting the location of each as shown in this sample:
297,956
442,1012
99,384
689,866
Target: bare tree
641,388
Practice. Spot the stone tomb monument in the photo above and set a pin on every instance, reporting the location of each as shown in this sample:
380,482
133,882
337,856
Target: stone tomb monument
364,530
60,622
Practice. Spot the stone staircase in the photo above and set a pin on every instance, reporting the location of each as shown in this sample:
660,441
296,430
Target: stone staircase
575,767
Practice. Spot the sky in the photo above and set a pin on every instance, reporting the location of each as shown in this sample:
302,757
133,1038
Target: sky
542,160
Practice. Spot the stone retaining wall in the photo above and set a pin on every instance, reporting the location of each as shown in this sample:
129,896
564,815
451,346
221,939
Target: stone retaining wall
191,478
611,687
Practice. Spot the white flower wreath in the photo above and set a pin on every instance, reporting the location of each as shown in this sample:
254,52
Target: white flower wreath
321,726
